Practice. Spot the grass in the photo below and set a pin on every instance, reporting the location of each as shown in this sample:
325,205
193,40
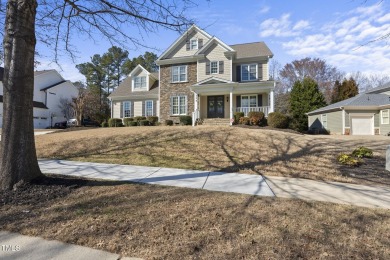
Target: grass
226,149
156,222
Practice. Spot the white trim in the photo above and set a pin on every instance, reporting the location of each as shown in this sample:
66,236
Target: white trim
146,101
123,109
231,106
159,93
324,125
211,67
249,71
388,116
186,73
343,123
179,105
250,95
197,43
145,88
207,44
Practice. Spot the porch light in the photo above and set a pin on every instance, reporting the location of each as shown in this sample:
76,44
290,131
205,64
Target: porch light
227,99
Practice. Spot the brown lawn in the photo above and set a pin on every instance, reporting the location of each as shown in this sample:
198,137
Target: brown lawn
230,149
155,222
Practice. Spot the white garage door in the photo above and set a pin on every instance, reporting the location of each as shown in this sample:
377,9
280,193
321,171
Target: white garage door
362,126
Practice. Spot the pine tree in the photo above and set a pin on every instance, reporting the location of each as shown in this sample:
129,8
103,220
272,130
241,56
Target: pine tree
305,97
347,89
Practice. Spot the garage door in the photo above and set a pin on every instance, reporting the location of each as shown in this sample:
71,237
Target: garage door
362,126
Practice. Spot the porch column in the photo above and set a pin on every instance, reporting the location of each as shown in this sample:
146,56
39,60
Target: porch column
231,106
271,101
195,113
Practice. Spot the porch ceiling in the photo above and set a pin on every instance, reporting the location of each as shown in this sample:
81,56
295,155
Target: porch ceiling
235,88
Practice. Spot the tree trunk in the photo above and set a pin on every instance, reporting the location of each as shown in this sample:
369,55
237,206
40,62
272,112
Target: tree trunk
18,156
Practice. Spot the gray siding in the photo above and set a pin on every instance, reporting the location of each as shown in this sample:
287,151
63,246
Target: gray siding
383,128
334,121
377,120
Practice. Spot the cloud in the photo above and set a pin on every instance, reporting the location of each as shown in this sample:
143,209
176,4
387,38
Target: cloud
282,27
264,9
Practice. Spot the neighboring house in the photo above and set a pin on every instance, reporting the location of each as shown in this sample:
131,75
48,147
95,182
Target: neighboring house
201,76
49,88
364,114
137,95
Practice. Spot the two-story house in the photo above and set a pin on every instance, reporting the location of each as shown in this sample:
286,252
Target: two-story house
201,76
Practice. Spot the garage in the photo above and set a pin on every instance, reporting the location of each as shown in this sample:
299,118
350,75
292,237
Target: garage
362,125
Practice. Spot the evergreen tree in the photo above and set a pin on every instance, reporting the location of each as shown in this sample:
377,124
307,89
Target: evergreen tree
148,61
346,89
305,97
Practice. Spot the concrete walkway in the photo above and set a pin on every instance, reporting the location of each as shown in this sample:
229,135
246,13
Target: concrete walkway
360,195
15,246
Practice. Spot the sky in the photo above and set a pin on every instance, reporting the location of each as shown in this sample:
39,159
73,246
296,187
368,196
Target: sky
338,31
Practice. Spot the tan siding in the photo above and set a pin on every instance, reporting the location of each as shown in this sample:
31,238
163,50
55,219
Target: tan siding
181,50
265,99
203,106
335,120
214,53
117,110
138,108
265,71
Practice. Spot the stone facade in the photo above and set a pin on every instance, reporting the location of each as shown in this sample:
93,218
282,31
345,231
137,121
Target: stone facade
168,89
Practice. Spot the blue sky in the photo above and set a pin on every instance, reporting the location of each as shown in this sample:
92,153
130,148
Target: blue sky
333,30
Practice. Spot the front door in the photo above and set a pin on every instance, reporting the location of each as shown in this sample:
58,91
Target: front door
215,107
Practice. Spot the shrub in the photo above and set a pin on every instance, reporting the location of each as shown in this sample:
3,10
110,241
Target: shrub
237,116
186,120
132,123
139,118
244,120
349,160
152,119
278,120
257,118
362,152
126,121
168,122
144,122
115,122
105,124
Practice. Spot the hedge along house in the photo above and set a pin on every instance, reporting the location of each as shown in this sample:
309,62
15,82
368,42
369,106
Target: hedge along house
205,78
137,95
364,114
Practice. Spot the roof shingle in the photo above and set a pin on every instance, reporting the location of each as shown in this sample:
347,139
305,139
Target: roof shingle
249,50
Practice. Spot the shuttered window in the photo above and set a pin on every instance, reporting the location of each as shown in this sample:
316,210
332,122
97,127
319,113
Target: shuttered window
126,109
214,67
385,117
149,108
248,72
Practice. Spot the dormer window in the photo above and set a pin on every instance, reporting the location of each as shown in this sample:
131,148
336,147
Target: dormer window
194,44
140,83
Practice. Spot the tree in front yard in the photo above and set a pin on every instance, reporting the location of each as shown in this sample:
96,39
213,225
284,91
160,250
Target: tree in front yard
347,89
58,22
304,97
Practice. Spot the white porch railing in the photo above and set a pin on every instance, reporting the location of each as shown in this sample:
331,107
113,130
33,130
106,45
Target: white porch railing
246,110
195,117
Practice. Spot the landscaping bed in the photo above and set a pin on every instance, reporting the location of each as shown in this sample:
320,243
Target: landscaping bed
157,222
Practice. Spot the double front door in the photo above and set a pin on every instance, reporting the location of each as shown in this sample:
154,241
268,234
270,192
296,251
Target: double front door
215,107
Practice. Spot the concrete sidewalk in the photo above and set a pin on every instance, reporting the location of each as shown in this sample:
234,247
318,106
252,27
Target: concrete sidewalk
15,246
360,195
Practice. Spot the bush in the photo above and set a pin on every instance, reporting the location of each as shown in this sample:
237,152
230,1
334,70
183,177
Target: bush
349,160
257,118
237,116
144,122
115,122
152,119
278,120
139,118
168,122
362,152
126,121
244,120
105,124
132,123
186,120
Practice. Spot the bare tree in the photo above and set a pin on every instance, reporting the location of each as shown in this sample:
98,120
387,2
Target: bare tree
366,82
66,108
54,23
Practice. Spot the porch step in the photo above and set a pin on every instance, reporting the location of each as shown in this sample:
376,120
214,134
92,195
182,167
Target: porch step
215,121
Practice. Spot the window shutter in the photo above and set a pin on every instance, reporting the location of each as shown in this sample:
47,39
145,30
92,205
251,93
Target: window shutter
143,108
259,100
221,67
188,45
238,101
208,68
154,108
121,110
238,73
132,109
200,43
260,71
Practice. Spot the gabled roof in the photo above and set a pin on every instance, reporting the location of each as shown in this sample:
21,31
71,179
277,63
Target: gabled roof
54,85
181,38
35,103
361,100
39,72
212,80
212,40
254,49
377,90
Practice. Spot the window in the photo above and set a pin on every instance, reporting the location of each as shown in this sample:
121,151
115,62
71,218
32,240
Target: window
249,101
214,67
324,121
248,72
179,73
179,105
194,44
149,108
126,109
140,82
385,117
